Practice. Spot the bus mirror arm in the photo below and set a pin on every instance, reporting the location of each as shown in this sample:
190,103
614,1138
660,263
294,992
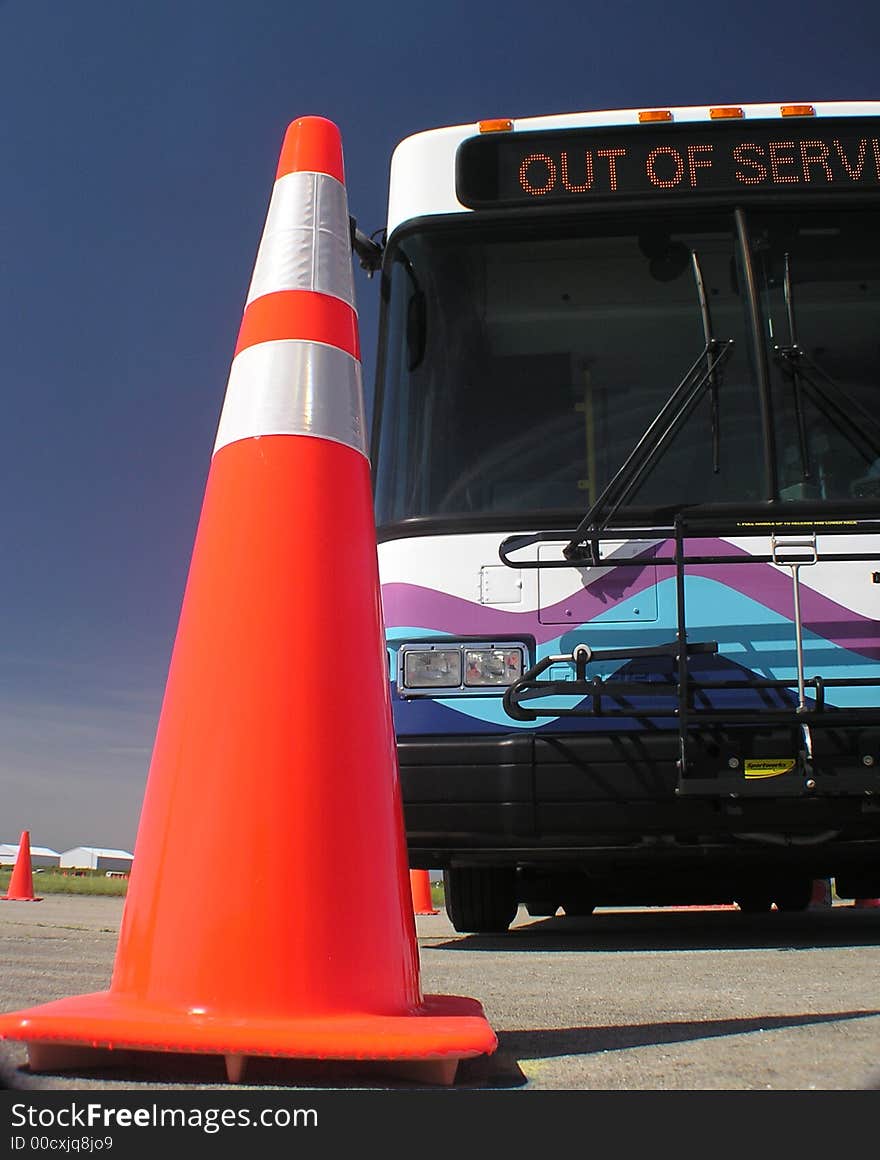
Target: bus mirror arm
369,252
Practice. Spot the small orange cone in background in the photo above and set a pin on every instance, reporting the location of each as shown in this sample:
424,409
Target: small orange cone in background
276,725
21,884
420,884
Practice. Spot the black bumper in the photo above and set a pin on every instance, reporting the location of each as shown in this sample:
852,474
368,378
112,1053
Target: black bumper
591,798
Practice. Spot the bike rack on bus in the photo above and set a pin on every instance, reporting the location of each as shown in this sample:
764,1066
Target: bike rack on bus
685,702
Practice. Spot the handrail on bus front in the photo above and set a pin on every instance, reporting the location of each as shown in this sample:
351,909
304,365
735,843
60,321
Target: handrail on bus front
662,532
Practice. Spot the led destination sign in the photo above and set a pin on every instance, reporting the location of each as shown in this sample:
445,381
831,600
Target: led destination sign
581,165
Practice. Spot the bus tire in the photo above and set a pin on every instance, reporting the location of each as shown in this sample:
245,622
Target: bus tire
578,909
795,895
755,902
480,899
858,885
578,904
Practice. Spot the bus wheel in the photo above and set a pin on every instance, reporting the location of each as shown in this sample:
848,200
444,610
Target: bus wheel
755,902
480,900
794,895
541,909
577,904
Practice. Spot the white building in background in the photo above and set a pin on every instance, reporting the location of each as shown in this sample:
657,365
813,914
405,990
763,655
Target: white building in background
96,858
41,856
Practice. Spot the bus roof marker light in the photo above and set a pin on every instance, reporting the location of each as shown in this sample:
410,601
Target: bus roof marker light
797,110
496,125
723,112
655,115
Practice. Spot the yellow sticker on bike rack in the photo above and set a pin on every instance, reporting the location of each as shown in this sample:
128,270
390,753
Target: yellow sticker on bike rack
768,766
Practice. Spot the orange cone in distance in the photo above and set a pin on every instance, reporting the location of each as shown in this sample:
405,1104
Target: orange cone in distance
276,725
21,884
420,884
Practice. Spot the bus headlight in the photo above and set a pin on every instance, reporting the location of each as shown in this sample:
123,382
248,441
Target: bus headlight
492,666
432,668
460,668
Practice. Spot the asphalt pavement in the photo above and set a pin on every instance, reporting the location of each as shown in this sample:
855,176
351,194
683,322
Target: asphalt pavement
634,999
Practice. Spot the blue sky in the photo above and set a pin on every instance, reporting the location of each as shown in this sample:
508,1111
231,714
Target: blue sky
139,143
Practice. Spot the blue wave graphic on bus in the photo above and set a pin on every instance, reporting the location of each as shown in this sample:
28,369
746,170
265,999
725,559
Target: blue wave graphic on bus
751,639
413,604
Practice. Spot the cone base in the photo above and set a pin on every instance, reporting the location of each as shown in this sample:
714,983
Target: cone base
95,1029
15,898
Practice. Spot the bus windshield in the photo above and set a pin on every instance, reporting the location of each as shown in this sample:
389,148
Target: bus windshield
523,360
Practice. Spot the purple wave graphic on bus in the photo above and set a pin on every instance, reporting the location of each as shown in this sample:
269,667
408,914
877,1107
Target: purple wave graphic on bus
746,609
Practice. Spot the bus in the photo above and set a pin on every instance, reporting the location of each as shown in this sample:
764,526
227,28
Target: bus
626,468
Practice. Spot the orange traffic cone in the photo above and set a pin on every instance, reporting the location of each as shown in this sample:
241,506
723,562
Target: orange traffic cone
21,884
276,724
420,884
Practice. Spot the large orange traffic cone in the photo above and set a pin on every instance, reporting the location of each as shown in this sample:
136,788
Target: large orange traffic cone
420,884
21,884
276,725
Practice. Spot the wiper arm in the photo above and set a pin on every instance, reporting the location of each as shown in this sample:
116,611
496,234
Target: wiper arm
670,418
851,419
800,423
714,376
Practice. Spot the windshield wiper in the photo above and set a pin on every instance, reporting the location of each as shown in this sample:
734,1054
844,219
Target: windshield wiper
854,422
714,373
800,422
584,544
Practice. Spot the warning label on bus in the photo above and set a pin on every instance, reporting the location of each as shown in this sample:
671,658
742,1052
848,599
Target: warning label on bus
768,766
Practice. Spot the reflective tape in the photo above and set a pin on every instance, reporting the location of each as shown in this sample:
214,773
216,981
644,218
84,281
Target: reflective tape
289,387
314,253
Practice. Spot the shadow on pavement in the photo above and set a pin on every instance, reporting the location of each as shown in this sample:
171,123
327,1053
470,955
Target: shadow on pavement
677,931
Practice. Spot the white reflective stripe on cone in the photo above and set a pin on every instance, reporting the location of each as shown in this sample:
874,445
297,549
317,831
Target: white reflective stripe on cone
306,244
293,387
